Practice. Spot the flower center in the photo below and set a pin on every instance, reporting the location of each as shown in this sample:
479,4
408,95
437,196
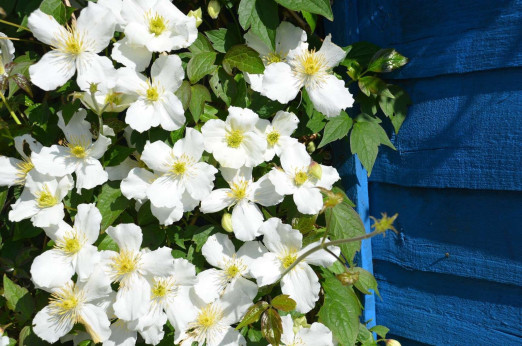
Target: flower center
125,263
152,94
273,137
45,199
24,167
64,303
78,151
273,57
312,62
70,244
71,42
288,259
162,287
239,190
157,23
300,178
179,167
234,138
209,316
113,98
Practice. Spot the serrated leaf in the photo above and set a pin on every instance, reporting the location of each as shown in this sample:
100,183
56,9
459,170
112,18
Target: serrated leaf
340,311
199,95
201,235
223,39
272,326
184,93
395,108
244,59
374,85
55,8
111,203
365,139
18,299
386,60
343,222
321,7
261,16
253,314
201,65
336,128
201,45
365,281
284,302
380,330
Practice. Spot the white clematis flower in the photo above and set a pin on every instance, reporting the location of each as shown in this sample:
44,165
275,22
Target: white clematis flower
4,340
73,250
285,246
312,70
79,155
13,171
315,335
169,295
41,199
243,195
156,103
278,133
303,179
181,174
75,48
233,272
121,335
152,26
288,37
211,324
235,142
76,303
7,50
133,269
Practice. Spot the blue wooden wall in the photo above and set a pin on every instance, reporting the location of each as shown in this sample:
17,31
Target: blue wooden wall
453,274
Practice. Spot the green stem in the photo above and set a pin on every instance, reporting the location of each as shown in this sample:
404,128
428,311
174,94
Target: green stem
9,109
323,246
15,25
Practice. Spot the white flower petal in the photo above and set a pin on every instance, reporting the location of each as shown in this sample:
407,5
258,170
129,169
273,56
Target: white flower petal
285,122
279,83
302,285
210,285
283,183
230,338
86,261
246,220
184,272
158,262
217,200
140,116
170,112
331,52
309,200
77,129
167,70
217,249
121,171
96,322
254,42
250,251
55,161
255,81
128,236
265,192
328,178
21,141
97,25
50,327
165,192
97,287
121,335
267,269
53,70
182,311
317,335
51,269
279,237
99,147
331,96
90,174
295,158
9,171
254,146
49,216
288,37
167,216
191,145
288,330
242,286
213,134
136,184
199,184
156,155
24,208
134,56
44,27
133,300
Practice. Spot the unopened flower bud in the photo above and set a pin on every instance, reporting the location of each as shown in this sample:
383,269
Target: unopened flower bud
315,170
348,278
391,342
93,88
213,9
310,147
300,322
226,222
198,14
385,223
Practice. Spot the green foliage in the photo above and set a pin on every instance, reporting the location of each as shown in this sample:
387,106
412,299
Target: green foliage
244,58
321,7
261,17
336,128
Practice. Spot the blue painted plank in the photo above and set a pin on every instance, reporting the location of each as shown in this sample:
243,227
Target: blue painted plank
444,37
462,131
439,309
468,233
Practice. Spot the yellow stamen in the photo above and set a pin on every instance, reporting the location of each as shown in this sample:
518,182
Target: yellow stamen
209,316
312,62
288,259
24,167
273,57
239,190
162,287
273,137
125,263
71,42
300,178
179,168
113,98
77,147
70,244
45,199
234,138
234,267
65,303
157,23
152,93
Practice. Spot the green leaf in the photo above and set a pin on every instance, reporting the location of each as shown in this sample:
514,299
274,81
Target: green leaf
387,60
374,85
272,326
343,222
184,93
284,302
18,300
21,66
199,95
253,314
55,8
340,311
365,282
311,19
380,330
264,107
116,155
321,7
201,65
336,128
365,140
365,337
244,59
395,108
316,122
28,338
353,68
201,235
262,17
111,203
201,45
362,52
223,39
368,104
224,86
107,243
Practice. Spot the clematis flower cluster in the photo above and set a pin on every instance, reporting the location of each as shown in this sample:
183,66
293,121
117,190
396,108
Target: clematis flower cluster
106,280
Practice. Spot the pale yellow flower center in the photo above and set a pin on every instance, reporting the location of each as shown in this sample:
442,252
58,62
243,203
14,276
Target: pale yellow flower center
45,199
71,42
125,263
65,303
234,267
273,57
162,287
157,23
273,137
77,148
234,138
179,167
288,259
312,62
239,190
152,94
209,316
71,243
300,177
